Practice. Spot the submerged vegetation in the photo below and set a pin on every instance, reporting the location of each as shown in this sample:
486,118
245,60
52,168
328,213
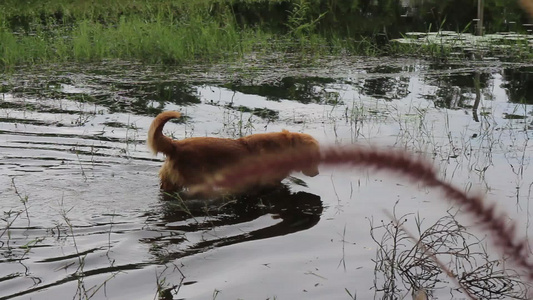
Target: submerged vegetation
177,31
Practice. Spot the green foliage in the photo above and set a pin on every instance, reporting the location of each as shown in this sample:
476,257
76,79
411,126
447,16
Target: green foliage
300,22
156,32
179,31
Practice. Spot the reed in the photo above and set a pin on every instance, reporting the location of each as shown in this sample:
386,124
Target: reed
169,32
153,32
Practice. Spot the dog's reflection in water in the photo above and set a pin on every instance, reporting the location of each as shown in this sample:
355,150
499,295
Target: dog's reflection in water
180,219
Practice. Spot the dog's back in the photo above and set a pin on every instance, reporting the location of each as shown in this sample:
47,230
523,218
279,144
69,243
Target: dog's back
267,142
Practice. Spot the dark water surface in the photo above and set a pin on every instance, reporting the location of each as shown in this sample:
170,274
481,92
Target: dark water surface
95,225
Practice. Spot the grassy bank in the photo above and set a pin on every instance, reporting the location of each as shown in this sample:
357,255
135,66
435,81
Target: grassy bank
155,32
180,31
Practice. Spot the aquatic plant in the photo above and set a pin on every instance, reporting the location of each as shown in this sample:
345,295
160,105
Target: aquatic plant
419,263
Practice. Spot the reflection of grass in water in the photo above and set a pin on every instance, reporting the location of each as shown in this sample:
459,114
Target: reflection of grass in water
116,124
264,113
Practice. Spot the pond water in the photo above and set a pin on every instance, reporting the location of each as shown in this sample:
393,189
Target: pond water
83,216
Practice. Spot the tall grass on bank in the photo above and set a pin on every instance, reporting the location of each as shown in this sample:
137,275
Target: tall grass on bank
170,31
197,37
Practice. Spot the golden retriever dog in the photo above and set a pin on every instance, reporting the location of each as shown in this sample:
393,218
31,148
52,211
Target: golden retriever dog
190,161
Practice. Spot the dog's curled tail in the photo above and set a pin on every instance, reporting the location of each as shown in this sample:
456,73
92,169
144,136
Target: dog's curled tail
157,142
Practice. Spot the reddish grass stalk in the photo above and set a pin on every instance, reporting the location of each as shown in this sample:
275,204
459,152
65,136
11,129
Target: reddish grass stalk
260,168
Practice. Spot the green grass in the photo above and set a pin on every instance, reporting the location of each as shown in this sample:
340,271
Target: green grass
161,39
172,32
175,31
157,42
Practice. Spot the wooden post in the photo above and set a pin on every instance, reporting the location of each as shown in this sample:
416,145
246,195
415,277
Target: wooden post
480,4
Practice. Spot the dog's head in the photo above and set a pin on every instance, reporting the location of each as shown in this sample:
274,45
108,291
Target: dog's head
306,143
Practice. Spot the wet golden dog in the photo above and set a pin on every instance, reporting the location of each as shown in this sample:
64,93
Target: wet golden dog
190,161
